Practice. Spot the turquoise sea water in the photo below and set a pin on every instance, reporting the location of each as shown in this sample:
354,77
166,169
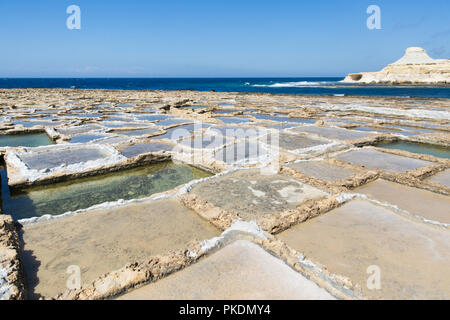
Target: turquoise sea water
320,86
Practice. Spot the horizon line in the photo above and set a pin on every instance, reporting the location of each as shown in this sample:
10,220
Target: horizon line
174,77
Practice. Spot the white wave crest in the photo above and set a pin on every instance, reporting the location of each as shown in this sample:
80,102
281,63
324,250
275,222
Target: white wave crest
298,84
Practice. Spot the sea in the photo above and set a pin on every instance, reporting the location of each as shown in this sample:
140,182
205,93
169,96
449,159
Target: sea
302,86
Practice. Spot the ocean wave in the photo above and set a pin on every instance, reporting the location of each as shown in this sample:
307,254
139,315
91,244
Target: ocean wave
297,84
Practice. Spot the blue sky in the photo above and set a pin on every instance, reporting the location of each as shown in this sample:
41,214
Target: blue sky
226,38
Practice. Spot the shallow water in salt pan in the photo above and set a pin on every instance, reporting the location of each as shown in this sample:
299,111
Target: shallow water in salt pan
194,107
25,140
142,132
374,159
83,138
105,240
419,148
52,158
83,193
234,120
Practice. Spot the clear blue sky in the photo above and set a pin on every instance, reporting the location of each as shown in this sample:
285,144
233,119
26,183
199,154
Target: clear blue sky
182,38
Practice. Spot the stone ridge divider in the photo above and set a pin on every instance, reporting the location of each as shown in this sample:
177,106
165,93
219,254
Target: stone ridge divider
12,279
413,178
138,274
272,223
337,186
135,275
220,218
439,139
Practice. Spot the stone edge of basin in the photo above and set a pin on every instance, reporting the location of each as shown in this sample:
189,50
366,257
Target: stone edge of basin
12,279
17,180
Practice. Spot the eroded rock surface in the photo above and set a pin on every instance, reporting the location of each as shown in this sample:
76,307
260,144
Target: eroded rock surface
12,282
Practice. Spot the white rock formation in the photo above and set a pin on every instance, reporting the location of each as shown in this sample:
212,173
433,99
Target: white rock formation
415,67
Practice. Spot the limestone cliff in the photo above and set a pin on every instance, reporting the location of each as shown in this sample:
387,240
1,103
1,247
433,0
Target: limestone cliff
415,67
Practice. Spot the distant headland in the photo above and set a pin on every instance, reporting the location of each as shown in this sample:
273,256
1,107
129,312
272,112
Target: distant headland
415,67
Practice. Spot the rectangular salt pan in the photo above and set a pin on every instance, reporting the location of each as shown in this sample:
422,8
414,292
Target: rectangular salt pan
243,151
171,122
105,240
79,129
282,118
429,205
25,140
137,149
252,194
332,133
52,159
72,195
143,132
84,138
259,275
419,148
373,159
233,120
204,142
30,124
154,117
413,257
442,178
322,170
180,132
238,132
297,141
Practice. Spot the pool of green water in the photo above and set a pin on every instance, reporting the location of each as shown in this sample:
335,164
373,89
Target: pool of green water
420,148
83,193
25,140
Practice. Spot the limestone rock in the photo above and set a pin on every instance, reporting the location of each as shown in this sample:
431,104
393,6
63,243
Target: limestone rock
11,272
415,67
